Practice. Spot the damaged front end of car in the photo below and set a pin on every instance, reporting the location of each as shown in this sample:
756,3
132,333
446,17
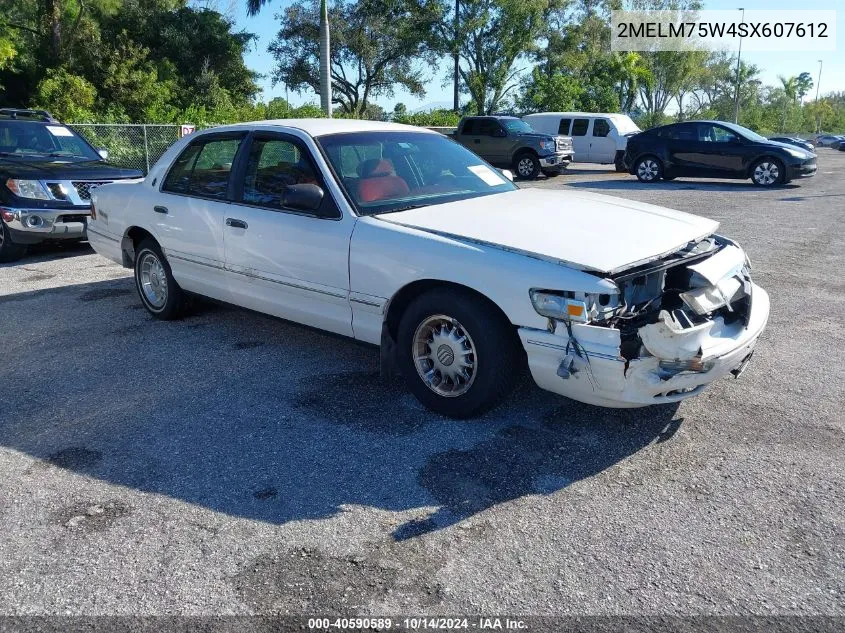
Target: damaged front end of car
674,326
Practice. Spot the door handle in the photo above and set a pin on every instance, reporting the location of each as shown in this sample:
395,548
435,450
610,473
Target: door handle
235,223
158,209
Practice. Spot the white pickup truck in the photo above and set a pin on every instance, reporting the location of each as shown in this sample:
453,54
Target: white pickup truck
400,237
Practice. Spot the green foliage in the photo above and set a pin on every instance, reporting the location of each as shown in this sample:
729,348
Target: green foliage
375,47
551,93
147,58
69,97
433,118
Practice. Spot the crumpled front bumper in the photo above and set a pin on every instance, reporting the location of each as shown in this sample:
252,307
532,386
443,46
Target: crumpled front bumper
31,226
606,379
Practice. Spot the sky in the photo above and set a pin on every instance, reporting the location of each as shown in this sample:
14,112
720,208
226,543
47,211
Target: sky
771,64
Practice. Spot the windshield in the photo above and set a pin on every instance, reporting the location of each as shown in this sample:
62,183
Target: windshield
26,139
744,131
517,125
624,125
391,171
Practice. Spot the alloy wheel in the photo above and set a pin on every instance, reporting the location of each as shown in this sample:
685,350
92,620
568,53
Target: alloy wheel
648,169
766,173
153,280
525,167
444,356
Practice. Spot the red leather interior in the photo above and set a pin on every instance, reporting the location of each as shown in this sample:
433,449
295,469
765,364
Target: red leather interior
379,181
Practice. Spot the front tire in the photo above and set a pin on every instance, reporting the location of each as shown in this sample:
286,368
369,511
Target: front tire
551,173
458,354
768,172
648,169
159,292
9,251
527,166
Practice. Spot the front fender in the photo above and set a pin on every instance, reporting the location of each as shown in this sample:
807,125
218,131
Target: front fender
386,257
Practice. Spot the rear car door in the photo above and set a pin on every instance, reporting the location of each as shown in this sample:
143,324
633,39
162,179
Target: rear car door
580,140
189,211
602,145
282,260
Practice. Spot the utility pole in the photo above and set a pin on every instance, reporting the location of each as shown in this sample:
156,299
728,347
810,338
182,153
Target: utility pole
325,61
819,85
457,98
738,58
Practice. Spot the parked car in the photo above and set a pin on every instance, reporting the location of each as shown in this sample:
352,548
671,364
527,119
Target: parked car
715,149
596,137
829,140
794,140
505,141
397,236
47,174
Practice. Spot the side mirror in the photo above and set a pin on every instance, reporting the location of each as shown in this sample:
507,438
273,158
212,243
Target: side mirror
507,173
103,152
500,133
302,197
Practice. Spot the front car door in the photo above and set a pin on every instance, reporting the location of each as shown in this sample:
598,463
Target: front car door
724,151
602,144
282,260
189,210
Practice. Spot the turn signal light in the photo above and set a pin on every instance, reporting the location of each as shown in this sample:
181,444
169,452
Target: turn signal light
93,211
8,215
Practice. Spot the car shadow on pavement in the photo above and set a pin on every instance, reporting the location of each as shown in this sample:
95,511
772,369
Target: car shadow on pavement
263,419
675,185
39,253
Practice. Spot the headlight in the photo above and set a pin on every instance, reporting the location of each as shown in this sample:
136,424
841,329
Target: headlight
27,189
547,145
580,307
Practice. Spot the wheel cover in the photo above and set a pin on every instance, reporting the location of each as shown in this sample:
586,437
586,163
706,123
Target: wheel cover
444,356
766,173
648,169
153,280
525,166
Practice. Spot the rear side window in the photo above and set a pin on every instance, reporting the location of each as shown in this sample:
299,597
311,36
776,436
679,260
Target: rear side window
579,127
601,127
563,127
469,126
486,127
203,168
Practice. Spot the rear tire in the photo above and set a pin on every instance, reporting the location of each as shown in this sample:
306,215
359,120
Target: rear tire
159,292
648,169
526,165
9,251
458,354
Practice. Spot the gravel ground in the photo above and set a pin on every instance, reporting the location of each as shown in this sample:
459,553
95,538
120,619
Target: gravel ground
232,463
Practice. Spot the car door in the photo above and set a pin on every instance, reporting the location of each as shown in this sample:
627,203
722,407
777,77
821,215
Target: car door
473,139
687,155
602,144
189,210
722,152
580,140
283,260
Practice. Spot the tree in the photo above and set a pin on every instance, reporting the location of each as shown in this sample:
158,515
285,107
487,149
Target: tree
803,85
67,96
550,93
376,47
491,36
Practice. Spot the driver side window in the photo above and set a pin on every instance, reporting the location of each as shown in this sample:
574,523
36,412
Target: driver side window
715,134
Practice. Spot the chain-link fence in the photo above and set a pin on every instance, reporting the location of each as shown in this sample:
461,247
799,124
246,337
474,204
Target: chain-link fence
137,146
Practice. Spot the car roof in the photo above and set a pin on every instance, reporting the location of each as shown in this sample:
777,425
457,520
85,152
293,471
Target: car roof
609,115
322,127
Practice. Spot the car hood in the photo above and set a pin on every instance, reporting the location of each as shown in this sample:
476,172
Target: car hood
791,146
62,169
584,230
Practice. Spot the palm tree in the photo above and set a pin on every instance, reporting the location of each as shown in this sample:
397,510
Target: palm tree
790,89
254,6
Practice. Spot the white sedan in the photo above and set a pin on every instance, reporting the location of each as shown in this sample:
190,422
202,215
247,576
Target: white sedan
399,237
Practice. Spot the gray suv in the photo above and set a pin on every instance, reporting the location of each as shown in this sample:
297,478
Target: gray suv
507,141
